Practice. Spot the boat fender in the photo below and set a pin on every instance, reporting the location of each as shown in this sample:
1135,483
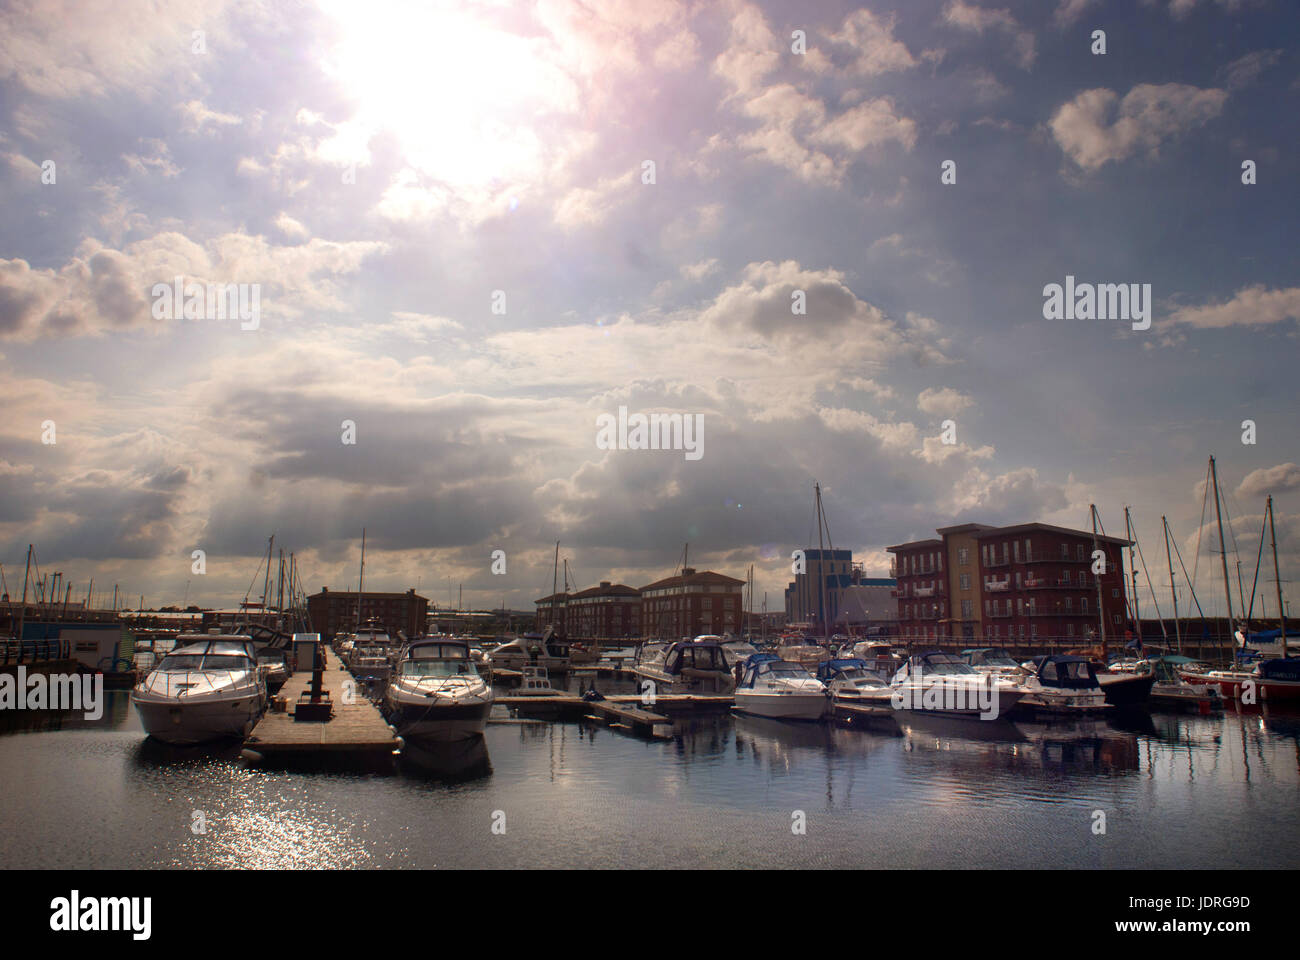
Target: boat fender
250,756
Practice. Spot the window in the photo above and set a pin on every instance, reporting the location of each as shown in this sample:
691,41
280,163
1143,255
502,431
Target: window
1016,548
1017,579
965,581
963,556
965,609
1115,619
1083,604
1069,629
1114,592
1021,631
1065,551
1079,553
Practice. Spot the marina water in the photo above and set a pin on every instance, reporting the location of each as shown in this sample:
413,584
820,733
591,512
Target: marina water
1176,791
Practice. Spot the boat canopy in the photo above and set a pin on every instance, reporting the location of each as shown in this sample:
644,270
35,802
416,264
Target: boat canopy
762,665
1281,669
1068,673
695,654
829,668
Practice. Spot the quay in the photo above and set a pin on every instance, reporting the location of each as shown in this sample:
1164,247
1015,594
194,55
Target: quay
357,732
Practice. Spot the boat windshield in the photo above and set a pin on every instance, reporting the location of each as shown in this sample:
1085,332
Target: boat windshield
439,668
438,651
370,651
857,673
787,670
212,661
949,667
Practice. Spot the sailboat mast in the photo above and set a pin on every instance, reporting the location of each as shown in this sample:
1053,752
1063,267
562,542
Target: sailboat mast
1173,590
361,584
821,559
1223,551
686,558
1132,565
1101,605
266,577
555,570
1277,577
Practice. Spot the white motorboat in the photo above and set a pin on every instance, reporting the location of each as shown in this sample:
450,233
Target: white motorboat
779,689
804,651
736,651
1064,685
371,653
851,682
544,650
688,666
535,683
437,692
942,683
994,661
206,688
1171,690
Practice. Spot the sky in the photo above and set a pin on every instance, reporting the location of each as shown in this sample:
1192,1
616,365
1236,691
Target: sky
824,232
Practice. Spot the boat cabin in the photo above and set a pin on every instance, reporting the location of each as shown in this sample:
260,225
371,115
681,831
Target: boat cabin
994,657
1067,673
765,666
850,669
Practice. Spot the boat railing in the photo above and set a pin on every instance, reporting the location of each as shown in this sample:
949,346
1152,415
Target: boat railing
232,677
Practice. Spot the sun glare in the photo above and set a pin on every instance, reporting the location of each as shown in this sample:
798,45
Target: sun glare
467,99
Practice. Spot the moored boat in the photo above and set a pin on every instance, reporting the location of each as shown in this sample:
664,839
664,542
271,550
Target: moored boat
780,689
688,666
1063,685
437,692
942,683
204,690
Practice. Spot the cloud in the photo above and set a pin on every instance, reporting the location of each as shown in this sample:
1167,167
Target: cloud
943,401
1255,306
978,20
873,47
1245,70
1258,483
1146,117
102,290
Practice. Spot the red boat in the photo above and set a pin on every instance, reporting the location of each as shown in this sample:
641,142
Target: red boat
1270,681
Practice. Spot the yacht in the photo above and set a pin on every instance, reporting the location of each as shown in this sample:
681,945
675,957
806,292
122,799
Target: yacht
881,656
545,650
274,664
437,692
688,666
205,689
1270,680
802,650
779,689
535,683
850,681
1064,685
994,661
942,683
1171,690
735,650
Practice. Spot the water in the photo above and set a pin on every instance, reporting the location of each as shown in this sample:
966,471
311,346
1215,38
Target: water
1176,791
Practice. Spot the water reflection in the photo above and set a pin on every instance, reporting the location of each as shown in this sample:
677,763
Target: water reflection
459,761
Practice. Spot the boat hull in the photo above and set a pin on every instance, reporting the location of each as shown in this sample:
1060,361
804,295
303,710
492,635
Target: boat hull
782,706
199,721
1126,690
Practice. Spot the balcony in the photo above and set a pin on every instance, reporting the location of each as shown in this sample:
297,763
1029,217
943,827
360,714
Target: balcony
924,591
898,592
995,562
1001,615
997,585
1059,613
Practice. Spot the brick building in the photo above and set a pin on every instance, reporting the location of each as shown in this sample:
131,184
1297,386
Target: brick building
607,610
336,611
692,603
1021,585
553,608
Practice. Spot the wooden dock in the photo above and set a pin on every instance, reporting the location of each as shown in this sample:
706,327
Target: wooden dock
357,733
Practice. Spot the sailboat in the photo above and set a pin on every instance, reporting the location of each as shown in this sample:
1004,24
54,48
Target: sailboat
547,649
1268,680
810,651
